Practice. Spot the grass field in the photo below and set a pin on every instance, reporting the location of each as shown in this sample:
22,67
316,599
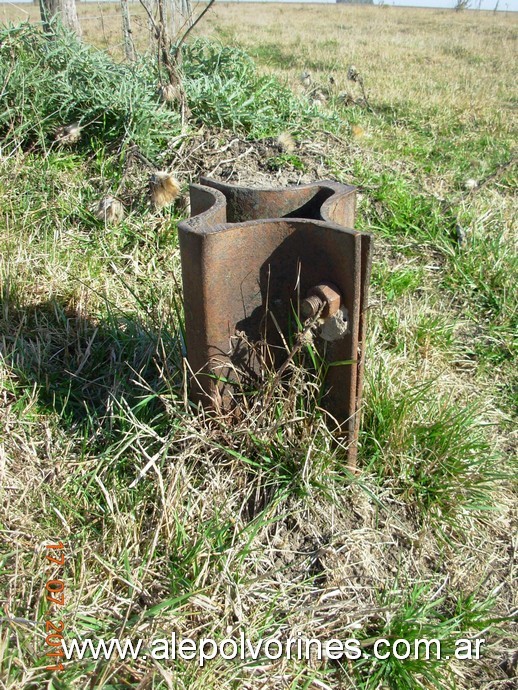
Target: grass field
176,522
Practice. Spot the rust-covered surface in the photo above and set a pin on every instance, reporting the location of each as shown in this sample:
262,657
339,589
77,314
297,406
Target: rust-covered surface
249,258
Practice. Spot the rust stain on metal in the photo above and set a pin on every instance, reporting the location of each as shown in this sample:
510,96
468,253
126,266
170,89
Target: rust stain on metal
252,254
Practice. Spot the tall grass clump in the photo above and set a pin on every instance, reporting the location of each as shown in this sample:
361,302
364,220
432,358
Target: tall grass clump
396,209
430,626
433,452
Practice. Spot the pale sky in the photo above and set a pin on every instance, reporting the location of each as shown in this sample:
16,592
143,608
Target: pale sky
448,4
504,5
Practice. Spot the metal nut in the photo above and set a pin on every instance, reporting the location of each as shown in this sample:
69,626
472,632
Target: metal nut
328,294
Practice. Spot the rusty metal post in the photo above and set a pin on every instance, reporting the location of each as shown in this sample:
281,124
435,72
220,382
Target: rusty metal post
252,254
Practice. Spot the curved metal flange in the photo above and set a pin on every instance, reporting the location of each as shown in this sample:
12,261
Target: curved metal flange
249,256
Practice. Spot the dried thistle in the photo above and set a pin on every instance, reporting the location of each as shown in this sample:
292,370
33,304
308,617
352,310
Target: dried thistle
66,135
345,98
163,189
305,79
353,74
169,93
110,210
318,98
286,142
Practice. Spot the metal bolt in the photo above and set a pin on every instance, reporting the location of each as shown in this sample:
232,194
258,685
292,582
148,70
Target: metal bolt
311,306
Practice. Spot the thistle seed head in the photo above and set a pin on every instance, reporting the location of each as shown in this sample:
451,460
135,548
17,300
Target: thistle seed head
345,98
353,74
66,135
318,98
169,93
305,78
164,188
286,142
110,210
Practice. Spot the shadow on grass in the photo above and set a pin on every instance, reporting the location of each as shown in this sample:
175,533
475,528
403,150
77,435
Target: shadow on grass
84,369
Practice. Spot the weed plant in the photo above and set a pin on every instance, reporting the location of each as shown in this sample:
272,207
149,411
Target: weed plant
48,83
419,616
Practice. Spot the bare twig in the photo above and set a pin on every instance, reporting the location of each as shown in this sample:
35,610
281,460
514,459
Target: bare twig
196,21
129,47
150,16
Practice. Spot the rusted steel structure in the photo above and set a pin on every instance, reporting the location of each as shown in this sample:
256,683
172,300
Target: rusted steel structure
252,259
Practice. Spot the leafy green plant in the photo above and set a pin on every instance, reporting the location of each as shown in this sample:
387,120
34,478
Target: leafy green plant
49,84
225,90
285,160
